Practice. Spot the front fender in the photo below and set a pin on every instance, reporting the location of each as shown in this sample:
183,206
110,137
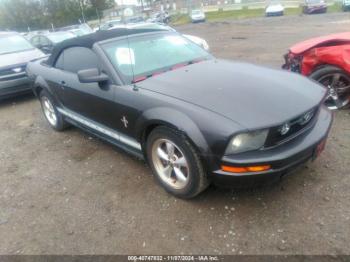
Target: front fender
40,84
330,55
177,120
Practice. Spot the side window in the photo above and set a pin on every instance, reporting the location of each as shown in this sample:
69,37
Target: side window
79,58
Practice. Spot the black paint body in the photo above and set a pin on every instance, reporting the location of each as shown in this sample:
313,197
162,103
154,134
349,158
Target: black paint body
209,102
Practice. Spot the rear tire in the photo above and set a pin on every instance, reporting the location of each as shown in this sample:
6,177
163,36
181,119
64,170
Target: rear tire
175,163
337,81
53,117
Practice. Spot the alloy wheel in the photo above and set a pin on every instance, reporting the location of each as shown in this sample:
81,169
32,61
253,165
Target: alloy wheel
170,163
338,85
49,111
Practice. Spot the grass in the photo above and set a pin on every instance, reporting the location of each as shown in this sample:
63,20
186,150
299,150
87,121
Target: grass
180,19
337,7
235,14
245,13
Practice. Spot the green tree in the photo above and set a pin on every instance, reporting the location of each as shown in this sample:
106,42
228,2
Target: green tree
19,14
40,14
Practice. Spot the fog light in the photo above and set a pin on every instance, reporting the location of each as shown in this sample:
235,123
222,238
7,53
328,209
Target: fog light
245,169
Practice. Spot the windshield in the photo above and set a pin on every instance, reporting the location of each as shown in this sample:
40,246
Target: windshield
150,55
196,12
56,38
14,43
314,1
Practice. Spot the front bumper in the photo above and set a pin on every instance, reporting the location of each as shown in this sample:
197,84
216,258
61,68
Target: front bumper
9,88
283,159
275,13
197,20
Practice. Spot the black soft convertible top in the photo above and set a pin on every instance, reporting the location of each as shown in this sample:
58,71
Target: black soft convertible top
90,39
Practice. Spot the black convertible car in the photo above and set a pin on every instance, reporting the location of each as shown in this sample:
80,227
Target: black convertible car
194,118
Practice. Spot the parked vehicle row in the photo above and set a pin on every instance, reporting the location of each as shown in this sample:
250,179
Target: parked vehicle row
77,30
197,40
275,7
160,17
46,42
142,90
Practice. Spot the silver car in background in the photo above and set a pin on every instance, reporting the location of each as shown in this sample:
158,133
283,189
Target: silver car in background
197,16
15,53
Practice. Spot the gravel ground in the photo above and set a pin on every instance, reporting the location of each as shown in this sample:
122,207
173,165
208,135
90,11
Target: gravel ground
69,193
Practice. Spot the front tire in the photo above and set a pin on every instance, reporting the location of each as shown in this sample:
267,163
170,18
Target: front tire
53,117
175,163
337,81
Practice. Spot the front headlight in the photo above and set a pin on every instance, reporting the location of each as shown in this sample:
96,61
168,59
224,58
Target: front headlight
247,142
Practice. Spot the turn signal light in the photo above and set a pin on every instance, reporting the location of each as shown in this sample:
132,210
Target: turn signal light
245,169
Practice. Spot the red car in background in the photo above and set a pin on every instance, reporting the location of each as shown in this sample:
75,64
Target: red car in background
325,59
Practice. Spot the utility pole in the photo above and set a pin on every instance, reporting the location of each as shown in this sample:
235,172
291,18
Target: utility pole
82,10
98,16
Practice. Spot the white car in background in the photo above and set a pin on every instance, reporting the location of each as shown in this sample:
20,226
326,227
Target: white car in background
197,16
274,8
195,39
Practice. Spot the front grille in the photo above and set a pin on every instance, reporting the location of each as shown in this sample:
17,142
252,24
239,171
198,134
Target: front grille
12,73
297,126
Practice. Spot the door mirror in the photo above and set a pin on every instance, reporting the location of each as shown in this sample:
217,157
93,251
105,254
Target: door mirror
92,76
46,48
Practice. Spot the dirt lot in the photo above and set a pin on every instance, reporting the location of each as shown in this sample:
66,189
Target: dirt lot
69,193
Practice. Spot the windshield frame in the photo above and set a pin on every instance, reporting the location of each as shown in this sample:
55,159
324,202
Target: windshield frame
196,12
125,79
17,51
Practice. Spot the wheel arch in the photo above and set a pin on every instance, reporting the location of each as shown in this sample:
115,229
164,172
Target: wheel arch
39,85
174,119
323,65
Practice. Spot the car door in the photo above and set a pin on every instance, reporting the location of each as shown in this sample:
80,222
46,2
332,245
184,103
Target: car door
92,101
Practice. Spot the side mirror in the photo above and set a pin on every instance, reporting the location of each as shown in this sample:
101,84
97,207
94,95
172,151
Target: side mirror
46,48
92,76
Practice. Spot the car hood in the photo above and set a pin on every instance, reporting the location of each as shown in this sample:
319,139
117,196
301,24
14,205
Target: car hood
19,58
334,39
252,96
